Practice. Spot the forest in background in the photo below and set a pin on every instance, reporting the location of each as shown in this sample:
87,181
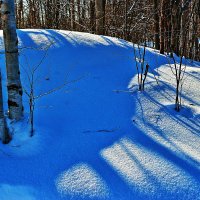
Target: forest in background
171,26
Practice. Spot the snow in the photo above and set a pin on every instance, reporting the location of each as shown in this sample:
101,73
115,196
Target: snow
82,181
17,192
98,137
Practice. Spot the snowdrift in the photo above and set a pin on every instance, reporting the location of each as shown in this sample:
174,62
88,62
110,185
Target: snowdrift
96,136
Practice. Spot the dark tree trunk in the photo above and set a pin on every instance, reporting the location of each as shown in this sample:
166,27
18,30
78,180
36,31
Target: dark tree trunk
100,16
162,27
156,25
92,16
72,15
4,136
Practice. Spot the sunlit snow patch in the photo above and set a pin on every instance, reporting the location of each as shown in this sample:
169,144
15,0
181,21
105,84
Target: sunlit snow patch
149,174
81,180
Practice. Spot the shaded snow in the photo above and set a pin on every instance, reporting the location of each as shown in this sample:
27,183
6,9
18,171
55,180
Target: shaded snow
99,138
17,192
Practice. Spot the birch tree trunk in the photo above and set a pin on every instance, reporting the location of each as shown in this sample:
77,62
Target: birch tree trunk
12,63
4,136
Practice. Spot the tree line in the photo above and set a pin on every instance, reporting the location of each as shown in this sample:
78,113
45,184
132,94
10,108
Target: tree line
171,26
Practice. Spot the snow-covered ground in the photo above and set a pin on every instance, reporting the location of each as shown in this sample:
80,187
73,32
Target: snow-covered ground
95,138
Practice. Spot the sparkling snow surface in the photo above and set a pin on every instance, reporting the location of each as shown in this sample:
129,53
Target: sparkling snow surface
98,137
81,180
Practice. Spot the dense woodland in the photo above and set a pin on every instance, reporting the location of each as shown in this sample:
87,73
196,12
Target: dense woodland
168,25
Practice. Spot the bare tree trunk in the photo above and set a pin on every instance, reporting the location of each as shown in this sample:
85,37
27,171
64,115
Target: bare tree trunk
125,19
57,13
100,16
4,136
21,14
162,27
42,14
12,62
83,11
31,109
72,8
156,25
92,15
47,14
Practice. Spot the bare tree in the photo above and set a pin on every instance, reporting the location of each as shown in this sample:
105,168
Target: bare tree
12,64
20,13
100,16
156,25
30,91
72,9
179,67
92,16
162,25
31,73
142,66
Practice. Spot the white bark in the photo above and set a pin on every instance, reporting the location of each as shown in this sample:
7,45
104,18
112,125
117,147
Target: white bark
12,62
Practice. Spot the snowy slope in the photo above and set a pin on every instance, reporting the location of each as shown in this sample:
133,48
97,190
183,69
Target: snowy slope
92,142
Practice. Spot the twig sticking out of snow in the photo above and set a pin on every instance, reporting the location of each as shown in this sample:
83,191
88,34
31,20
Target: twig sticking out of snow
102,131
